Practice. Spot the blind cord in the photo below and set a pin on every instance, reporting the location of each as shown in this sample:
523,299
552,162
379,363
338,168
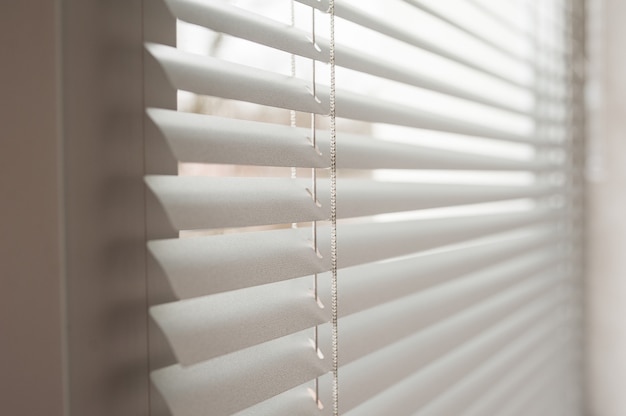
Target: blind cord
292,113
293,124
314,196
333,214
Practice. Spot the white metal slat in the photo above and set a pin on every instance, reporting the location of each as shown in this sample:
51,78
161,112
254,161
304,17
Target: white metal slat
491,401
234,382
202,328
409,395
353,14
490,374
203,265
373,374
202,138
237,22
432,342
210,76
432,11
372,284
209,202
373,329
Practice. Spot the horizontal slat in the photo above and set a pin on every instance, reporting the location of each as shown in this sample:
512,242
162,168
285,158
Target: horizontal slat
555,74
507,24
483,39
369,285
531,398
471,393
237,381
371,64
472,33
225,18
406,397
206,75
205,327
358,197
297,401
495,399
385,367
195,202
364,152
367,108
373,329
204,265
366,243
504,22
395,31
209,139
207,202
211,76
457,397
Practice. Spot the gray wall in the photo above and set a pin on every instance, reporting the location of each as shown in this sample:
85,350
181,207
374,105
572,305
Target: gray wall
72,236
102,61
606,284
31,266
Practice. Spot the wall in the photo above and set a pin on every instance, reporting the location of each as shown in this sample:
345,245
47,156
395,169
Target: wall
73,301
31,258
606,285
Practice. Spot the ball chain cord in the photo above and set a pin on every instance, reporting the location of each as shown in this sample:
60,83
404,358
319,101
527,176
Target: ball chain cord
333,214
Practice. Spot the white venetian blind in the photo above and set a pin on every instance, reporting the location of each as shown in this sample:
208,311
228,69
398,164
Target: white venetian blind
456,217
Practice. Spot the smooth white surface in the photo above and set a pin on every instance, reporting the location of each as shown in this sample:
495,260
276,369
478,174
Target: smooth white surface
606,199
511,383
203,265
212,76
369,242
372,284
370,330
371,375
362,107
202,328
397,361
202,138
241,23
219,202
490,375
412,393
225,18
236,381
376,23
195,202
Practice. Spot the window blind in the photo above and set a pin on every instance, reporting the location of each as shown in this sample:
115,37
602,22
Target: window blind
457,207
